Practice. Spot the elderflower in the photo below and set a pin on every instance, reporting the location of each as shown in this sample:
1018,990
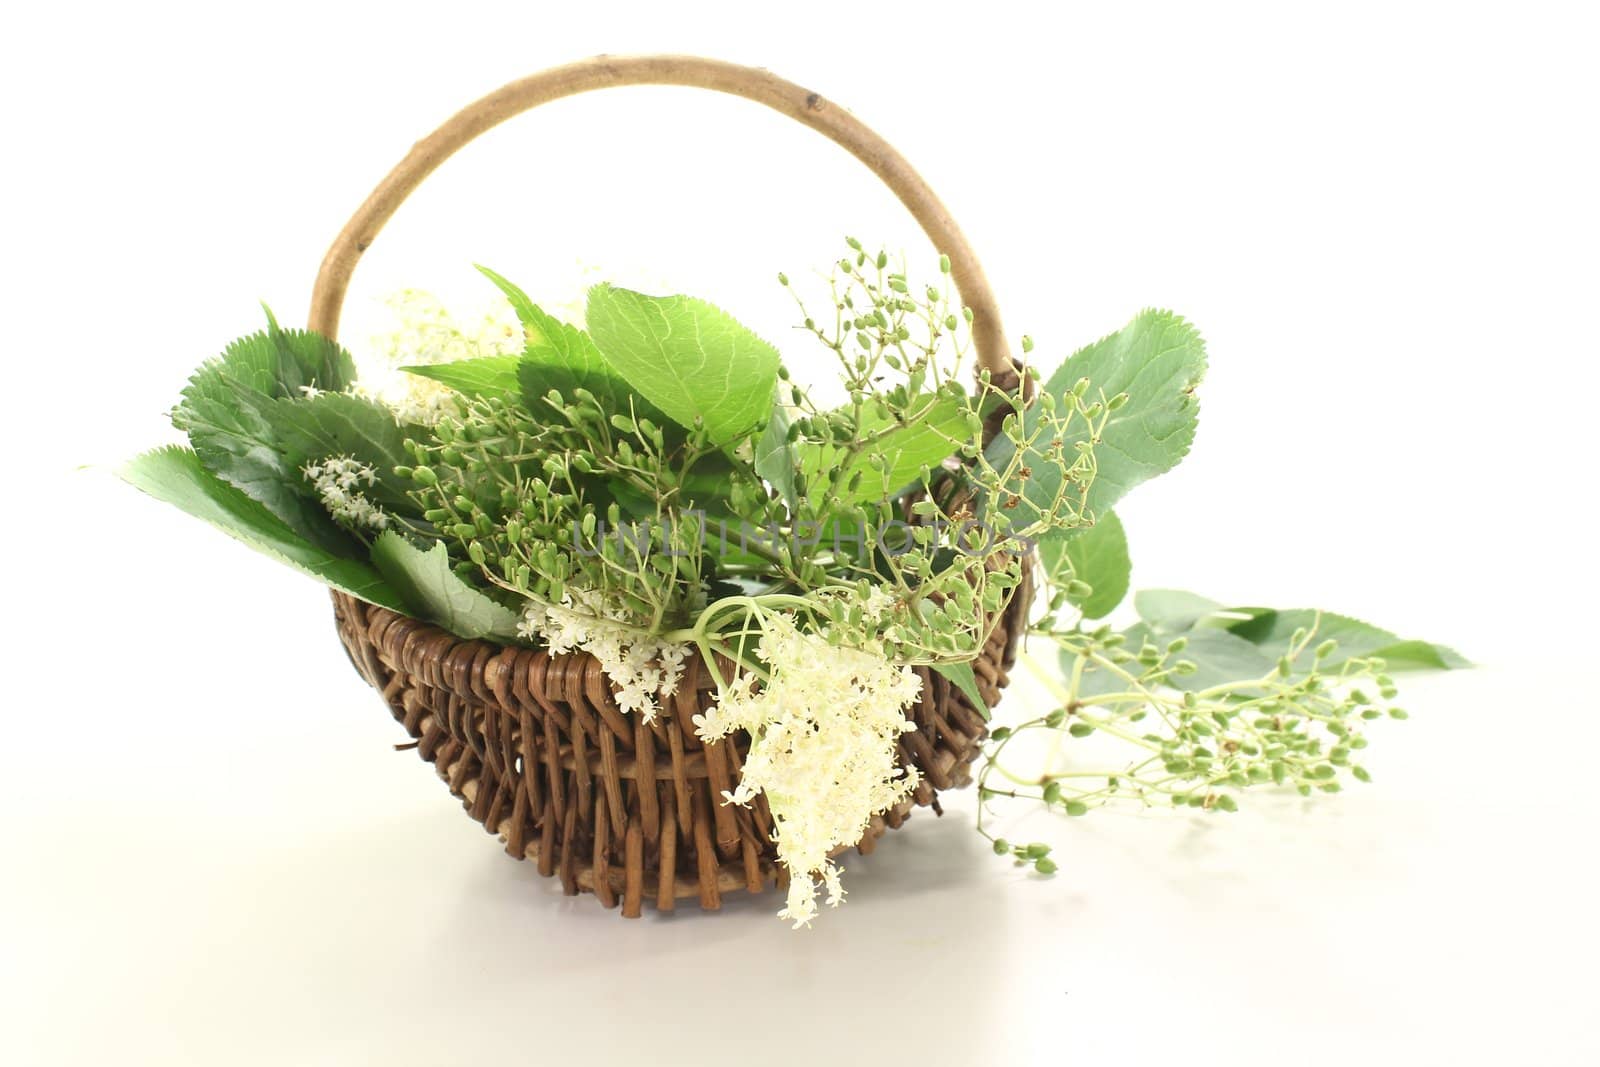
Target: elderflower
428,334
338,481
878,601
824,729
643,670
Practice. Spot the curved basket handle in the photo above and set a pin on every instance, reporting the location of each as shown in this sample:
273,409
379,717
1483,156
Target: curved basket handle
602,72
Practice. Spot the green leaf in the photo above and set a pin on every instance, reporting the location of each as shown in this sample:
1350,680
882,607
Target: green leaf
436,593
562,357
1271,631
540,372
261,446
909,448
774,458
1173,610
231,431
487,376
274,363
550,339
1421,656
556,355
1094,681
176,475
960,674
1095,554
1221,658
687,357
224,411
340,424
527,311
1157,360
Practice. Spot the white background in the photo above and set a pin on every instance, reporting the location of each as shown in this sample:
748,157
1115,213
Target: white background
1383,217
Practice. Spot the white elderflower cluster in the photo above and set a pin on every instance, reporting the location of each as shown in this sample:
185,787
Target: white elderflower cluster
338,481
878,601
427,333
824,728
644,670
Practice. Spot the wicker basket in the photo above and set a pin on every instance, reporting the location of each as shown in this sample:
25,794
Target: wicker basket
533,744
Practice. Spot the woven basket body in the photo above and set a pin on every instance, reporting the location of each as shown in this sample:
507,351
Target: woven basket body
533,744
539,753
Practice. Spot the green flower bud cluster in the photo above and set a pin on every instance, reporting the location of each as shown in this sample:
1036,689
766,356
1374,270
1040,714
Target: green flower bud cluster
859,519
577,496
1129,728
1035,854
880,328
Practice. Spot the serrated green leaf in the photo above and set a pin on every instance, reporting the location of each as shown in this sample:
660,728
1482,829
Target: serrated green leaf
223,410
1170,612
274,363
556,355
1173,611
909,449
1095,554
1157,360
528,313
1220,657
1421,656
774,458
232,435
175,475
562,357
960,674
314,428
486,376
1271,630
688,358
428,582
543,371
1231,646
546,336
261,445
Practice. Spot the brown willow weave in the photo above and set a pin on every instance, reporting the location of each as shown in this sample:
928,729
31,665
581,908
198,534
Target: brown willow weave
539,753
534,745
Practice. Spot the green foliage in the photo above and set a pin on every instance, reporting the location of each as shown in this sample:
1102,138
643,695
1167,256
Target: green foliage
690,359
485,377
1197,701
428,581
774,458
888,452
659,477
230,427
176,476
962,677
1271,632
273,363
1173,610
1090,568
1134,393
664,454
656,482
312,428
646,492
234,408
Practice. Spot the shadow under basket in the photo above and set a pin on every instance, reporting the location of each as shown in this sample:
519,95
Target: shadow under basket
538,752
